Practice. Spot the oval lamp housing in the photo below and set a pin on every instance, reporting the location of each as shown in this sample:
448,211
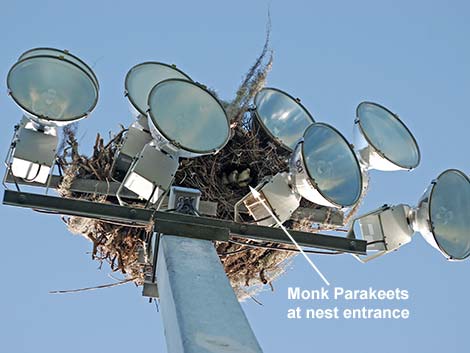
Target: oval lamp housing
382,141
324,168
142,78
282,117
52,90
187,119
443,214
62,53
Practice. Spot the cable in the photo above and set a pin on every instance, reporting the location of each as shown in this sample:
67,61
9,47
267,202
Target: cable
375,242
59,166
186,206
47,212
30,180
123,224
102,220
260,246
196,212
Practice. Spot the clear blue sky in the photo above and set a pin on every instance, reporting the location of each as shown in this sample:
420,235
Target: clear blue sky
411,56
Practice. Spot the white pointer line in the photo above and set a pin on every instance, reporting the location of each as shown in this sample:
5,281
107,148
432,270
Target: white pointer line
257,195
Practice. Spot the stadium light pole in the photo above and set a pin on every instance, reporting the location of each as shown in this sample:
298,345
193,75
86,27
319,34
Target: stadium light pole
182,119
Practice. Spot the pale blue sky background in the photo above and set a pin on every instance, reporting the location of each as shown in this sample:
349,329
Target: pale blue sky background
411,56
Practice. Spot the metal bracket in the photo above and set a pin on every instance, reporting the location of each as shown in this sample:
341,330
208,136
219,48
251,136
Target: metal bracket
150,287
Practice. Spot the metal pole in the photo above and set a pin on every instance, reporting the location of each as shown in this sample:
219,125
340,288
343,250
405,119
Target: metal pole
200,311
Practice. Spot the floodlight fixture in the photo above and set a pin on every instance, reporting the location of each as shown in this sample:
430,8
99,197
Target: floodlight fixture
33,152
382,141
142,78
324,168
134,140
186,119
281,116
138,83
150,175
275,193
442,216
62,53
53,88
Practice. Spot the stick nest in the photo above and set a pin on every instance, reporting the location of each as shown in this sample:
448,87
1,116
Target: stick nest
223,178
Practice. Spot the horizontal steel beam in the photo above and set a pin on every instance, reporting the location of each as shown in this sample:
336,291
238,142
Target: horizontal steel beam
269,234
110,188
191,230
81,208
180,224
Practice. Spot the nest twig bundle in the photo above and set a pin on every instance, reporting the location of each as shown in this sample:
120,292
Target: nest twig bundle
223,178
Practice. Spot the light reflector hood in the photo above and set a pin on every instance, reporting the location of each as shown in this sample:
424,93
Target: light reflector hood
325,169
52,90
281,116
187,118
443,214
382,141
142,78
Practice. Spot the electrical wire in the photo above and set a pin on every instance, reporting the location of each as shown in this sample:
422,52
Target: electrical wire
102,220
30,180
47,212
124,224
268,247
375,242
